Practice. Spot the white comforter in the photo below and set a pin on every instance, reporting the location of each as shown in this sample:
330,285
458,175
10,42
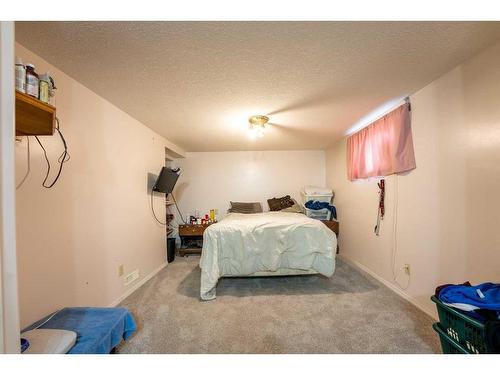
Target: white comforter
243,244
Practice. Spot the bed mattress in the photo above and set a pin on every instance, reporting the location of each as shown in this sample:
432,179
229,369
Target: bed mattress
265,244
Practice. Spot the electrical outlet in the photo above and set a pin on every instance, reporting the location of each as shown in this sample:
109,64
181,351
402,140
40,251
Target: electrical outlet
406,267
120,270
131,277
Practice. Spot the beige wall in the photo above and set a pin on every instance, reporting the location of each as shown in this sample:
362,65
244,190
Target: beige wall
449,207
73,237
212,179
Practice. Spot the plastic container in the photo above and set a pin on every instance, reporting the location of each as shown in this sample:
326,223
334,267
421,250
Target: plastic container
460,328
170,250
316,197
44,87
448,345
323,214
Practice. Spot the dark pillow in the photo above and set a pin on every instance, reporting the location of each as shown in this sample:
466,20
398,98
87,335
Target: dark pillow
296,208
277,204
245,207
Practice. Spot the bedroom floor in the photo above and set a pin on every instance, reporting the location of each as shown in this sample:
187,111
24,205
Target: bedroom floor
348,313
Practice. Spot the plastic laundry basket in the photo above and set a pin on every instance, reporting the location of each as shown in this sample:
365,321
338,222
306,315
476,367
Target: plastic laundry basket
448,345
316,197
321,214
460,328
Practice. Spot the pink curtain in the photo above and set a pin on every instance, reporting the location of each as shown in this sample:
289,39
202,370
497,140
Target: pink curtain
384,147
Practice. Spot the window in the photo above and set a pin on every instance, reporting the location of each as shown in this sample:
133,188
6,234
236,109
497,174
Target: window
382,148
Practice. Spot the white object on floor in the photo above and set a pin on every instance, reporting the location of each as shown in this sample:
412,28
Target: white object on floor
49,341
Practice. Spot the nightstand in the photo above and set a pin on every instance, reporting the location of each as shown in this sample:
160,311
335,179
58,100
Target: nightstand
334,227
191,235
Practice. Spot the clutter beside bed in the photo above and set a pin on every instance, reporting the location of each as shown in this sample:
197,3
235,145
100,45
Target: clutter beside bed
191,236
205,220
321,210
469,318
79,330
317,203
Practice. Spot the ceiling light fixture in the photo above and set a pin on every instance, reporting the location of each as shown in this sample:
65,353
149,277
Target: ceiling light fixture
258,125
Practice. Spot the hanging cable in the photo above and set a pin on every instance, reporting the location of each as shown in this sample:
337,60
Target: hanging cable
153,210
63,158
46,320
29,164
179,211
46,160
395,274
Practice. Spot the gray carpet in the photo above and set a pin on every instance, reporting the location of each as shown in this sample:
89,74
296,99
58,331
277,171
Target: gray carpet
348,313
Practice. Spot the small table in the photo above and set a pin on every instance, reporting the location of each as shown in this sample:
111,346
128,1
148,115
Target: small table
189,234
334,227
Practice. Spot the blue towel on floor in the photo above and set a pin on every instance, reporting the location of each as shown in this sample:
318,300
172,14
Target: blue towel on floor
488,297
98,329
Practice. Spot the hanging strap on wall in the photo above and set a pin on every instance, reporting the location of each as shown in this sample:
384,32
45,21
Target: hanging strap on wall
381,205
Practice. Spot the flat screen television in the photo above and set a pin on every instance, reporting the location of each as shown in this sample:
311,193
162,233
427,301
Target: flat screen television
166,180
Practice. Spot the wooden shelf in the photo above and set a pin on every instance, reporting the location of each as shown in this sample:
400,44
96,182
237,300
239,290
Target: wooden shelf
34,117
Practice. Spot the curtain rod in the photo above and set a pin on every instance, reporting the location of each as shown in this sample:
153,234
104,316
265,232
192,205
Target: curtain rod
360,124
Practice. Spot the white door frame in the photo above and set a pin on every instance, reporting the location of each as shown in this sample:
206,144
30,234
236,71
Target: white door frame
9,306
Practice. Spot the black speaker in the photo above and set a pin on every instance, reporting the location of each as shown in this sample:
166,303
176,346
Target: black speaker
170,250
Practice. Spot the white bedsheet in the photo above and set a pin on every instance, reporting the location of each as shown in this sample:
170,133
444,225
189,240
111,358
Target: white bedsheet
245,244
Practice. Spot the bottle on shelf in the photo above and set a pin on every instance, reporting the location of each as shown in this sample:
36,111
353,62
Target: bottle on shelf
44,88
20,76
31,81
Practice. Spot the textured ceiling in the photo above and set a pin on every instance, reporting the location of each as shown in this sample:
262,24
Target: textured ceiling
196,83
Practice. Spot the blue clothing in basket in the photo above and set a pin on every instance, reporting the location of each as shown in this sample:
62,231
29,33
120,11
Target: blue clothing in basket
316,205
98,329
469,298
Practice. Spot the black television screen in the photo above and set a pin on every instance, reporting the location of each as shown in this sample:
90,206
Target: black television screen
166,181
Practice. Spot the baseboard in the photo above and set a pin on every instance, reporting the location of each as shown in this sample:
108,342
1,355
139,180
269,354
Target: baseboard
143,281
388,284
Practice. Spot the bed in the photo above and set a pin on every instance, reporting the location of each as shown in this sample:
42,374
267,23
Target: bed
265,244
